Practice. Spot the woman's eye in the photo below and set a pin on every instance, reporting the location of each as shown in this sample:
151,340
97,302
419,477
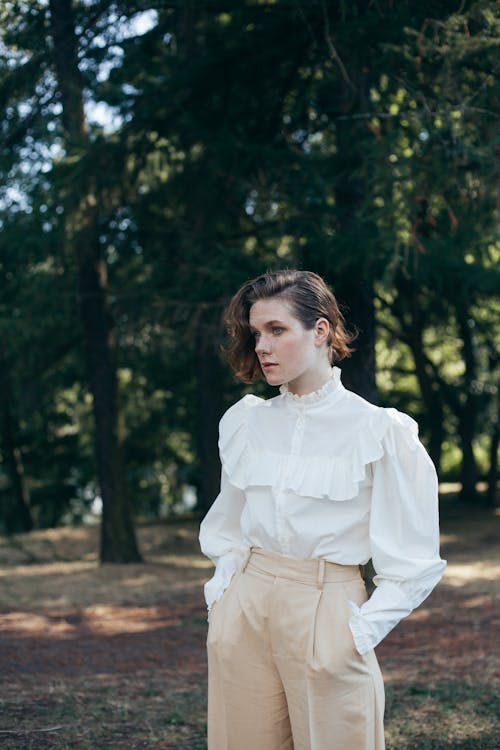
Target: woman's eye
277,330
256,334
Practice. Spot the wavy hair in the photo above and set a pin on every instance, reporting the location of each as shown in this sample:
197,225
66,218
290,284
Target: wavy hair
309,298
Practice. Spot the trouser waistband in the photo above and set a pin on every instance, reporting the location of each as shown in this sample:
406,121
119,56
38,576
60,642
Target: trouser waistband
314,572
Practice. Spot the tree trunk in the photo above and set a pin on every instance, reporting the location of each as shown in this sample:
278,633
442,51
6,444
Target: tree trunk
468,468
354,286
358,371
19,517
408,300
210,408
433,406
186,23
118,540
491,495
468,412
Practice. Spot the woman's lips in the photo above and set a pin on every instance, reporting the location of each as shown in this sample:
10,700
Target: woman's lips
268,365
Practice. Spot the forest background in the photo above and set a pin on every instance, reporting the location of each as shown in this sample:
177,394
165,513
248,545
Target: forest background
155,155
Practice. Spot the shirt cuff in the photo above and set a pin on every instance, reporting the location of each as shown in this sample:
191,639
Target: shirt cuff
371,622
362,636
227,565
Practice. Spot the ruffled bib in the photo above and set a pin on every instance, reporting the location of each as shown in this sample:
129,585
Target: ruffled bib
334,477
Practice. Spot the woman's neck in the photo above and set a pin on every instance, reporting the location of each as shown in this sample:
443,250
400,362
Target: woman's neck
310,381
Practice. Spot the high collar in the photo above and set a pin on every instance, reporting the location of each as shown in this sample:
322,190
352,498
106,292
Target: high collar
317,397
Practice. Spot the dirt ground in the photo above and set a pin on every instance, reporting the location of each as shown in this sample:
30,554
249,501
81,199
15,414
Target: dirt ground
113,656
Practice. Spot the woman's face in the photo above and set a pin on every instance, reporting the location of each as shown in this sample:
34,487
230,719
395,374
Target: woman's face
288,352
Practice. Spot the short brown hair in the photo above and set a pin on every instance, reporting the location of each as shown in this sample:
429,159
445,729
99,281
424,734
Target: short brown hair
309,297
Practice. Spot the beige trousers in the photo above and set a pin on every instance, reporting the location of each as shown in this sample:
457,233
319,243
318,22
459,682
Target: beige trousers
284,673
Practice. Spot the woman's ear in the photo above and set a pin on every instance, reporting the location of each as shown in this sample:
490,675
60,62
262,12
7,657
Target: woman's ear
321,331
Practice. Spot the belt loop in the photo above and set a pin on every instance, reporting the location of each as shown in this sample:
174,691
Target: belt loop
321,573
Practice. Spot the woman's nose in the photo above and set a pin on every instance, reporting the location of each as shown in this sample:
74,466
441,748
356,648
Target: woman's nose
262,345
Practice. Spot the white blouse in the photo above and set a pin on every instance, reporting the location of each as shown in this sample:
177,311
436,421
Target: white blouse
328,475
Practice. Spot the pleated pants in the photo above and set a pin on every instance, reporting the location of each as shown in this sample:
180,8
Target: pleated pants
284,673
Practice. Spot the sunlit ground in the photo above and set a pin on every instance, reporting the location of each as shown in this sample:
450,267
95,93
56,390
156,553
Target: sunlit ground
113,656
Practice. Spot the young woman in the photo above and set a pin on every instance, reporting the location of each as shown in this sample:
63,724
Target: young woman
315,482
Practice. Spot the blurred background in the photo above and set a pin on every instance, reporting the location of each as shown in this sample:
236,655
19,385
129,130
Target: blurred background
156,155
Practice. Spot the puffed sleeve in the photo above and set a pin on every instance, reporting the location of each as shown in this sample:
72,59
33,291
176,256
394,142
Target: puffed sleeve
404,533
221,538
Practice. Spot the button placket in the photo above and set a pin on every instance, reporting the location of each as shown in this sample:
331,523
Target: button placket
295,449
298,433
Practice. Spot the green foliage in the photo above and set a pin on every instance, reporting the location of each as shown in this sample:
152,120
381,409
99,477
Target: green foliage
357,140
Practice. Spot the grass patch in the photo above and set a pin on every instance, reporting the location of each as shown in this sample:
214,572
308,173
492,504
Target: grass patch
115,716
442,716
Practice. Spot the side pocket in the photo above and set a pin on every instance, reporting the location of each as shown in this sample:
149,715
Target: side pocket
219,604
314,654
354,592
333,650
